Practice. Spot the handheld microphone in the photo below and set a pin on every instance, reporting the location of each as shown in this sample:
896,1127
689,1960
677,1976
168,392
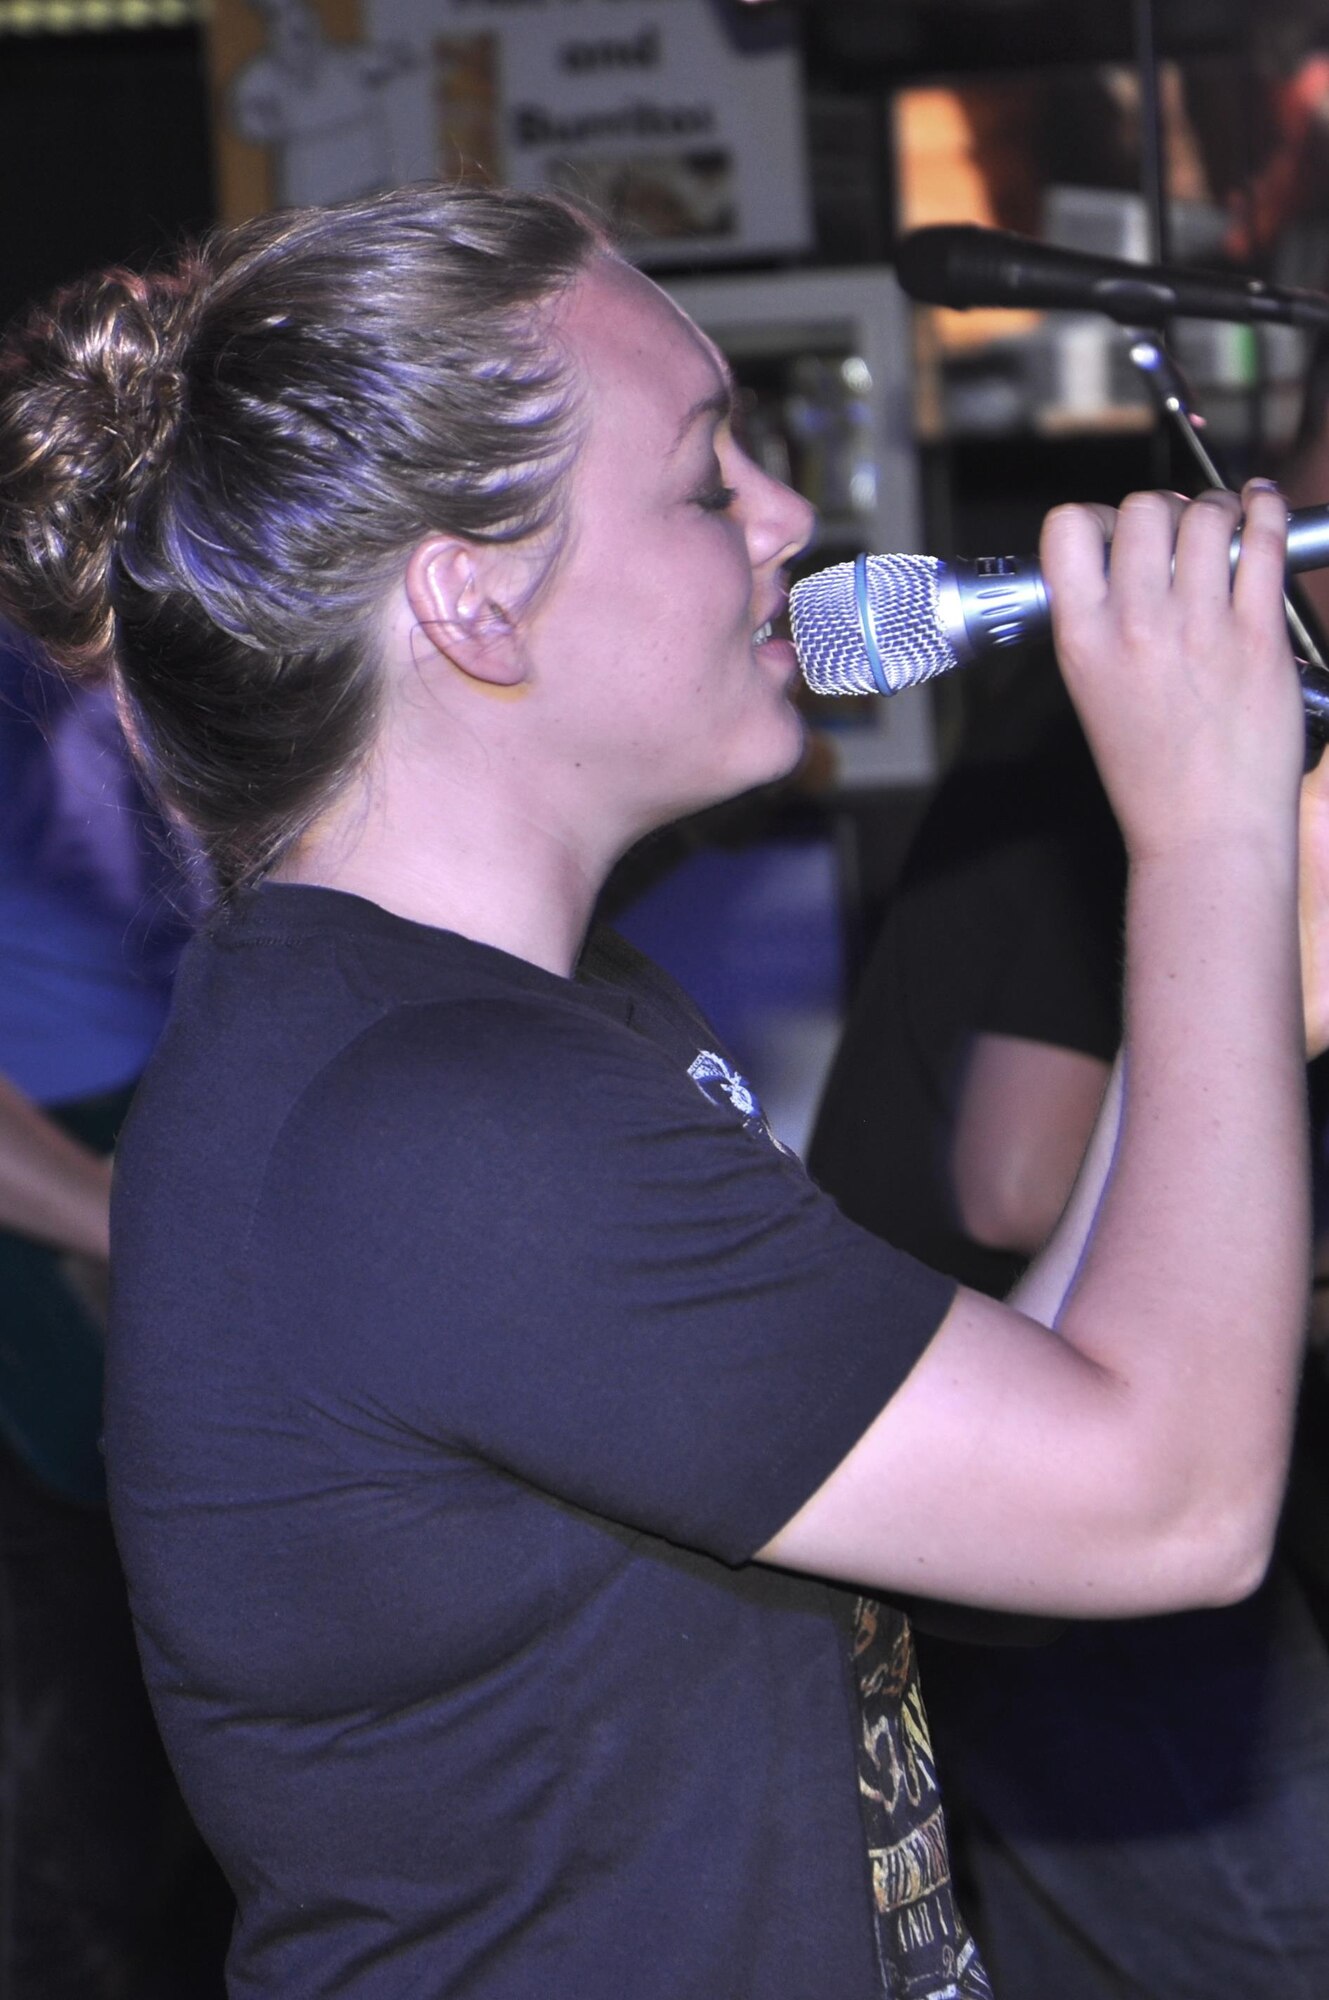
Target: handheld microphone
887,622
962,265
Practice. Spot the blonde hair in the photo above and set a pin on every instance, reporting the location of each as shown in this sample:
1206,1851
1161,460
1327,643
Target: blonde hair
209,475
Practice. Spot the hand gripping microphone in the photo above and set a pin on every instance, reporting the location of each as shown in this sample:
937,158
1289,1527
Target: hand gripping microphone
884,623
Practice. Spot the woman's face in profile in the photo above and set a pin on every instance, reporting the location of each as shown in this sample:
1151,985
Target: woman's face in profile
664,688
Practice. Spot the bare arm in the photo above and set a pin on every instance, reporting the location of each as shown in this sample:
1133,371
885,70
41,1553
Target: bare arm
51,1188
1133,1459
1027,1109
1025,1113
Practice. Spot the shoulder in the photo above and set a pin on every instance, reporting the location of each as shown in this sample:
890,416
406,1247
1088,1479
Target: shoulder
543,1107
479,1055
524,1229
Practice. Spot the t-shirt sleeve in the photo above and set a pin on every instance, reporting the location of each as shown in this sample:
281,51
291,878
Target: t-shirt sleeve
537,1242
1058,976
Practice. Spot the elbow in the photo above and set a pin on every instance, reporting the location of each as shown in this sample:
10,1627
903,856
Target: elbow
1183,1527
1208,1550
1235,1562
1007,1209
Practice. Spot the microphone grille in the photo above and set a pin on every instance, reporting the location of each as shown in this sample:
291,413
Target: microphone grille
898,620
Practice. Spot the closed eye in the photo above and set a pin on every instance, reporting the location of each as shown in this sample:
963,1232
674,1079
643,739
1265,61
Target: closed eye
716,499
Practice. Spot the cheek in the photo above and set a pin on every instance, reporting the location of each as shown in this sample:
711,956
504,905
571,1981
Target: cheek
678,606
725,586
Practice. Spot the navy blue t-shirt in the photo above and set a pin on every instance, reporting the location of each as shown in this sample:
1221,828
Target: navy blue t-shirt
469,1335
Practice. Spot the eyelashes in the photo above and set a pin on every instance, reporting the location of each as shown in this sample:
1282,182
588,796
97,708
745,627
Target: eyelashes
717,499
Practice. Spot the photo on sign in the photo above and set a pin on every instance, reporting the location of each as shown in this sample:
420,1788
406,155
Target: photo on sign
659,197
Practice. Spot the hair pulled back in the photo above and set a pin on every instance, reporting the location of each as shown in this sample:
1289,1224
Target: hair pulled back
209,476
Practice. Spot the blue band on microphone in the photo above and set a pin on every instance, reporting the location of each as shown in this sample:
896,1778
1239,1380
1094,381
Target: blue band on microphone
865,624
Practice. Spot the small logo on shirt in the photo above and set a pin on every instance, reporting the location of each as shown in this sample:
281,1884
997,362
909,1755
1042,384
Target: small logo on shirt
718,1080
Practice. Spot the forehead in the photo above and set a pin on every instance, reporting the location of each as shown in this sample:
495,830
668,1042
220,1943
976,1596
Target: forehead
638,352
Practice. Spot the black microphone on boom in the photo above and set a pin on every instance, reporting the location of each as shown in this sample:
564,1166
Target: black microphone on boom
963,265
888,622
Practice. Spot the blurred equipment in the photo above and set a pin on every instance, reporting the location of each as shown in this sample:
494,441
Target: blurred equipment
961,266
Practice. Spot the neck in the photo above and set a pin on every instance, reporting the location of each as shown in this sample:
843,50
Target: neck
488,870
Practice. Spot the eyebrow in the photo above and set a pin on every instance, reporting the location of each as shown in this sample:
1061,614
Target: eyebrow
719,404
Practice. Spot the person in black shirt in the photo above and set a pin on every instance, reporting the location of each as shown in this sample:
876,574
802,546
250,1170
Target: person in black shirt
496,1416
1143,1806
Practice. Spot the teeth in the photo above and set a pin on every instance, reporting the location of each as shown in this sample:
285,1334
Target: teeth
763,633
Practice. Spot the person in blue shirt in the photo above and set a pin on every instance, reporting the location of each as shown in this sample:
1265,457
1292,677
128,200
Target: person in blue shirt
92,917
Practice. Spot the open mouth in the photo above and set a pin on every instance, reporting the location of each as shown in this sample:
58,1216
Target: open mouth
774,628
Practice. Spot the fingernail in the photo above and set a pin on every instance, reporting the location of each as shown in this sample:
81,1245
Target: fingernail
1263,485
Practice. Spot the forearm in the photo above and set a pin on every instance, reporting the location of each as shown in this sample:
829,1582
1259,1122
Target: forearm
51,1188
1183,1271
1043,1287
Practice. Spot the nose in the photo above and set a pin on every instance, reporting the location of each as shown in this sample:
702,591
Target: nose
780,521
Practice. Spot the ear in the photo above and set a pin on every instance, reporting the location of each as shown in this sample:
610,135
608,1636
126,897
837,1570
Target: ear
455,590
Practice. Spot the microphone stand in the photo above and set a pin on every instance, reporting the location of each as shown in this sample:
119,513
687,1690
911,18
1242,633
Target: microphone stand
1166,384
1152,150
1171,398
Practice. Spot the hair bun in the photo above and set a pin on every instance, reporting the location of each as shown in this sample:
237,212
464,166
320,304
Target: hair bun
92,396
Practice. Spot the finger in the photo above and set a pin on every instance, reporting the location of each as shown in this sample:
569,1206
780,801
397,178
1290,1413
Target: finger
1203,564
1073,553
1262,564
1143,545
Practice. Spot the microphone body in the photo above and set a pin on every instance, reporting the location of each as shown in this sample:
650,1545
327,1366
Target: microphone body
962,265
887,622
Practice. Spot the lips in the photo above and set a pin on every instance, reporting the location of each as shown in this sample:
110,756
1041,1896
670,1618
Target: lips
776,626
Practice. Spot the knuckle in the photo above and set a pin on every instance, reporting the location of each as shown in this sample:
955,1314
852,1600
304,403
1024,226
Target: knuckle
1217,501
1149,506
1209,522
1068,523
1258,531
1071,546
1138,628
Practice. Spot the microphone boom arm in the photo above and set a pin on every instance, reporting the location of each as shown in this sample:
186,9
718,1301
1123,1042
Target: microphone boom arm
1171,397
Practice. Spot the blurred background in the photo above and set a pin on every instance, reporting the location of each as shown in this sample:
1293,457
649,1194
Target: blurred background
762,161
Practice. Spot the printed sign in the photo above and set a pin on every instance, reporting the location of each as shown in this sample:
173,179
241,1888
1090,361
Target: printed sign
679,119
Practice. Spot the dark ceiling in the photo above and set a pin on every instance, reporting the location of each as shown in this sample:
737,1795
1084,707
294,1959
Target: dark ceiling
885,40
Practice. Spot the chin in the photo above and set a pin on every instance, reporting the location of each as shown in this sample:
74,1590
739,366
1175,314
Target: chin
786,755
764,752
795,744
